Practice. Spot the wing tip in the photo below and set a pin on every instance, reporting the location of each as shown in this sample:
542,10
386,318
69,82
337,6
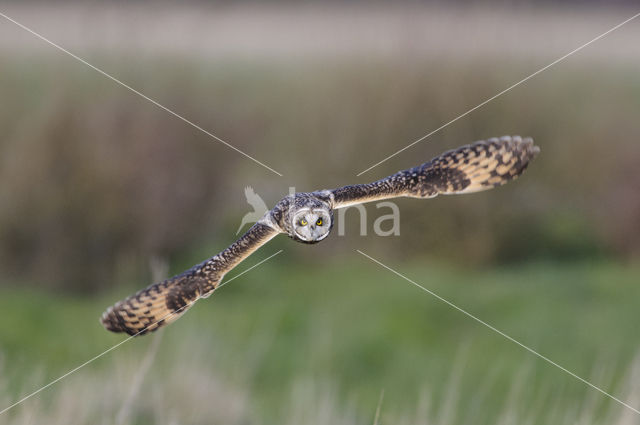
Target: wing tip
112,321
109,321
524,145
520,153
527,146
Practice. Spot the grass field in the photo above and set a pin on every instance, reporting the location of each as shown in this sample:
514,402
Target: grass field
282,343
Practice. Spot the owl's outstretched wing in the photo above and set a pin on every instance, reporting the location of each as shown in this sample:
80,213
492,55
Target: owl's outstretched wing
163,302
479,166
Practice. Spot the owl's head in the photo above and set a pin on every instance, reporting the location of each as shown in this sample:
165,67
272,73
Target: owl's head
311,225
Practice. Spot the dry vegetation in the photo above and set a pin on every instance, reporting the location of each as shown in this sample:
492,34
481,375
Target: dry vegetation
94,180
123,391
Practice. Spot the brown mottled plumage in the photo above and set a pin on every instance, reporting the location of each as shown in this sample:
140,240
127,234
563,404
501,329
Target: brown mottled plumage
163,302
308,218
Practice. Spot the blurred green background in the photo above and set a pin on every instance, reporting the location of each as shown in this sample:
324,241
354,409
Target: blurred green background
95,182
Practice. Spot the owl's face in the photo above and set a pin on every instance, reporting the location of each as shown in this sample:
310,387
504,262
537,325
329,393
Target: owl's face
312,225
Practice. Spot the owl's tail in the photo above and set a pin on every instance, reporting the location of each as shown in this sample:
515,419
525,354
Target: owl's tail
472,168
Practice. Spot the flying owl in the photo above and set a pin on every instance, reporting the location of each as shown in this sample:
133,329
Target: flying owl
308,218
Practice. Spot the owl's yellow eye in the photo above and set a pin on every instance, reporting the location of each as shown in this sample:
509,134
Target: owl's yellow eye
319,222
303,222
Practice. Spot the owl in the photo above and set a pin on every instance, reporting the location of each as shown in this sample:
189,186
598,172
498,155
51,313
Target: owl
308,218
